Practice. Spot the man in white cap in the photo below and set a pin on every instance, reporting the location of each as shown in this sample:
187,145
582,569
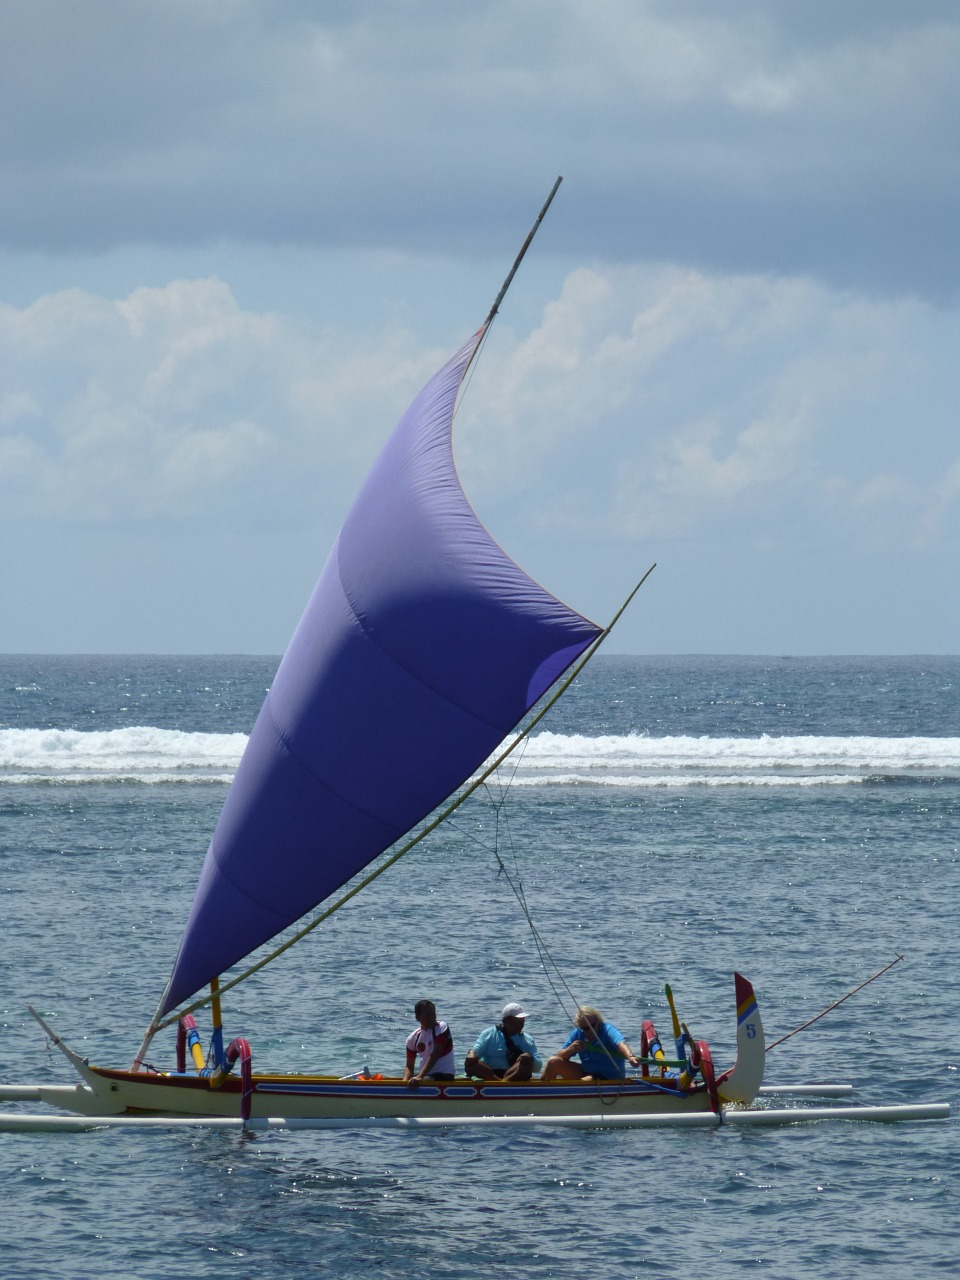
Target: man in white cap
503,1052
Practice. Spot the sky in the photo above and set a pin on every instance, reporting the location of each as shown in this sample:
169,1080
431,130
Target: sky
237,236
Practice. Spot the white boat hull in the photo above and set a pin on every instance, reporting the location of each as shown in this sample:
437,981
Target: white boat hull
318,1097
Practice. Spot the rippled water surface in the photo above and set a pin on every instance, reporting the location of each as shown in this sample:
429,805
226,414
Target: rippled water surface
807,886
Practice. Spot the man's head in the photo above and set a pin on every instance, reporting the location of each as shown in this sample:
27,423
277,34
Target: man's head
425,1012
588,1019
513,1017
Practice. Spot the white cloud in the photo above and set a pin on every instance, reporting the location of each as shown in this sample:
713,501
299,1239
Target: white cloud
751,187
647,402
175,402
661,403
648,408
17,405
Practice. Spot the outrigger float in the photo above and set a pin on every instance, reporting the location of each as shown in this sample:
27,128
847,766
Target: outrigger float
420,631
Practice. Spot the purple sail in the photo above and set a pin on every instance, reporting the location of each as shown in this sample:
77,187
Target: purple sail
422,647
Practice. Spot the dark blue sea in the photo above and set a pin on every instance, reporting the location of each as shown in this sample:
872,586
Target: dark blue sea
671,820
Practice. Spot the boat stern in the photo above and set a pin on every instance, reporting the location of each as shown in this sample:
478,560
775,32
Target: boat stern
742,1082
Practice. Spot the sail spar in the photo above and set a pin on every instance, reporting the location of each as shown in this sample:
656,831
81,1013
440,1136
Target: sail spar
422,646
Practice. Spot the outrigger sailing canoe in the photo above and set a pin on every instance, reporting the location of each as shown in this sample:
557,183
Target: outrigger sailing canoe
422,648
664,1087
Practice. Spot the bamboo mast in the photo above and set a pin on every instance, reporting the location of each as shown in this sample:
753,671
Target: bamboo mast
520,256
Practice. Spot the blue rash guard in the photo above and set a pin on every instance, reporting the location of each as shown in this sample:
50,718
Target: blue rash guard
600,1057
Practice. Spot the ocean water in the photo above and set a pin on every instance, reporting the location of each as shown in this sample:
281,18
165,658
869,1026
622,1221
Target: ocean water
675,819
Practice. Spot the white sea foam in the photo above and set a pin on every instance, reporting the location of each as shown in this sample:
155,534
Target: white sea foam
149,755
141,754
635,760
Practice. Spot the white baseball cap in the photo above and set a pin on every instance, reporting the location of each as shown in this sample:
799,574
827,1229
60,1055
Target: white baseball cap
514,1011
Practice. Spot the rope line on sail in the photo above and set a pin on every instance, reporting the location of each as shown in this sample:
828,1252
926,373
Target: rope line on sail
474,785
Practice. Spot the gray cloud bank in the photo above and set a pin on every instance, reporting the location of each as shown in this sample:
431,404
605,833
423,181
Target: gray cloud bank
234,235
815,138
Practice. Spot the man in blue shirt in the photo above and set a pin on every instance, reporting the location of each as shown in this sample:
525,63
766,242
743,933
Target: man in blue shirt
503,1052
599,1045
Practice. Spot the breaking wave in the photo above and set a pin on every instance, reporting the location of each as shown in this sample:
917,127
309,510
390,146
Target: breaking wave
150,755
635,760
143,755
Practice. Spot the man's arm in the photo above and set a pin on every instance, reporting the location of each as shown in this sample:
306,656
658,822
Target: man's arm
476,1067
626,1052
569,1050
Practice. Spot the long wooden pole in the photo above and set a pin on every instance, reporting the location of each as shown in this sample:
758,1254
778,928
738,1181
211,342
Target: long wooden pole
484,329
836,1003
523,249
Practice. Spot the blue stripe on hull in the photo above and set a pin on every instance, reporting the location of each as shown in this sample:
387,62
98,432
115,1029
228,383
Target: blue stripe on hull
461,1092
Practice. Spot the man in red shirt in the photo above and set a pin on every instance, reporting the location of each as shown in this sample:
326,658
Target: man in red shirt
433,1041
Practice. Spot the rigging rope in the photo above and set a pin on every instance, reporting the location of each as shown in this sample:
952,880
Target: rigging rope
515,881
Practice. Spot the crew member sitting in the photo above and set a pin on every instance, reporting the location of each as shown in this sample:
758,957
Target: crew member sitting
599,1045
433,1041
504,1052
